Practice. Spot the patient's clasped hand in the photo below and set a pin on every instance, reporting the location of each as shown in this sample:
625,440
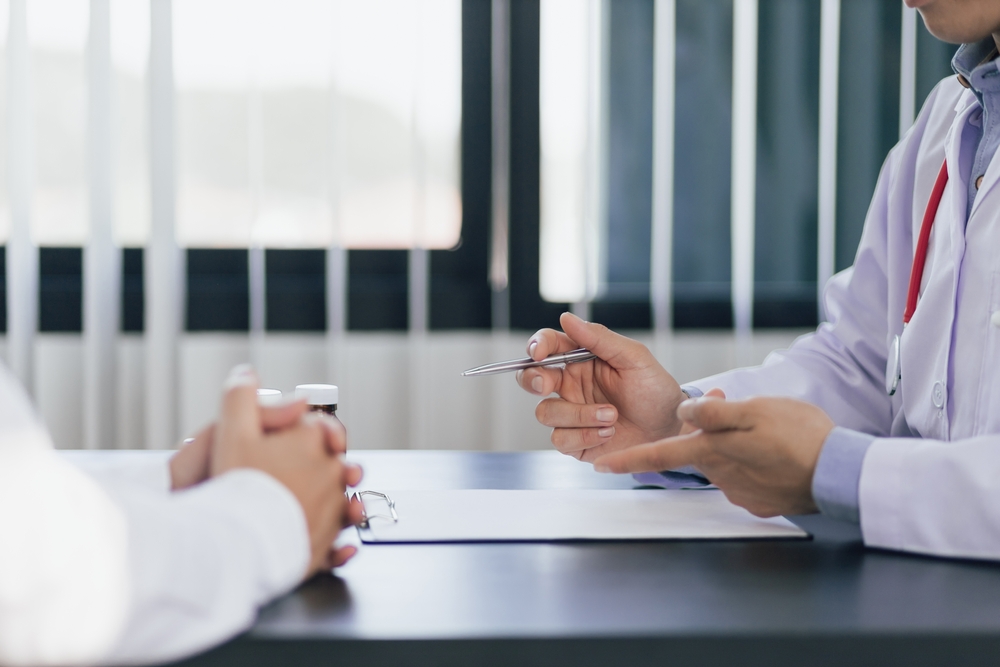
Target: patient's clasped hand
299,448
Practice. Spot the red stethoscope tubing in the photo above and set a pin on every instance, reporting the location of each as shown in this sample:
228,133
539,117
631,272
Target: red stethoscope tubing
893,372
920,256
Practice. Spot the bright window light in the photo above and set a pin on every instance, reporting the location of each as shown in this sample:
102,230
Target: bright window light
213,72
570,80
57,38
310,122
398,81
129,124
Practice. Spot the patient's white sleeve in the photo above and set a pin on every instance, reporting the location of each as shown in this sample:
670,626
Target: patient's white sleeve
64,582
202,561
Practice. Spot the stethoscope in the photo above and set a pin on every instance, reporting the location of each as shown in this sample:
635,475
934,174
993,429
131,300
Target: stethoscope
893,372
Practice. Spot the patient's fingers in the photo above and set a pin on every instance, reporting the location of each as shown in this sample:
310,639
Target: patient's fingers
352,474
340,556
557,413
277,417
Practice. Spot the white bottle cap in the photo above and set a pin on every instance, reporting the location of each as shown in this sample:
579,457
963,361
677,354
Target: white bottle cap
318,394
268,397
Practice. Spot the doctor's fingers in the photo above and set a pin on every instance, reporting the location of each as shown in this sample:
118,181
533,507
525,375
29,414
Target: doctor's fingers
711,413
546,342
676,452
559,413
575,440
540,381
620,352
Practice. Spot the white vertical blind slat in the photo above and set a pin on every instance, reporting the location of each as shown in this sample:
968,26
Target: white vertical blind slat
164,266
22,254
829,74
661,260
500,167
101,260
744,157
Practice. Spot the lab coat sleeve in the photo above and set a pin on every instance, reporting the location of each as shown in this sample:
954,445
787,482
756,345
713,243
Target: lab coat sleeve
203,560
933,497
841,366
64,585
145,469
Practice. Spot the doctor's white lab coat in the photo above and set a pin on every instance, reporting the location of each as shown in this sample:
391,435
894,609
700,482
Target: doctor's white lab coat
930,482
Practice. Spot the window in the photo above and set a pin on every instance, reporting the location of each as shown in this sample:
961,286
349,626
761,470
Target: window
57,39
309,122
130,116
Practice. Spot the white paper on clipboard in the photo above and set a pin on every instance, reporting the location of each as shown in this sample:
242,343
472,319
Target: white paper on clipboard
479,515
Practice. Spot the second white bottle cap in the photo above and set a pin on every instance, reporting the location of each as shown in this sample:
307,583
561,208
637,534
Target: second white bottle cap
318,394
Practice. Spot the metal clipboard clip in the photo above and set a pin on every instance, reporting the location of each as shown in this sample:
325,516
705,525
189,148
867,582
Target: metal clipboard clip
391,516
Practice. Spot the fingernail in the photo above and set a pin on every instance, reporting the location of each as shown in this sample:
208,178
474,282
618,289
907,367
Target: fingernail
600,467
531,348
537,385
187,441
606,432
242,375
687,406
605,415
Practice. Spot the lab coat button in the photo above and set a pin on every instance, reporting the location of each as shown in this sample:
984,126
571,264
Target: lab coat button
995,319
937,395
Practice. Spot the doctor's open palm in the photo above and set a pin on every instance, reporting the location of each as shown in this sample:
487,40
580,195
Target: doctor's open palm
622,398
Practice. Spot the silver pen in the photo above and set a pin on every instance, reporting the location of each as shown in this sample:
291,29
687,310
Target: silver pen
571,357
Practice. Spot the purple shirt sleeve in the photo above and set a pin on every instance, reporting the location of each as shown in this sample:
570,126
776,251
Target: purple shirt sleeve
838,474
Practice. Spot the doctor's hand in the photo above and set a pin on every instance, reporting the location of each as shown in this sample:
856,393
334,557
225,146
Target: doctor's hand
622,398
305,457
761,452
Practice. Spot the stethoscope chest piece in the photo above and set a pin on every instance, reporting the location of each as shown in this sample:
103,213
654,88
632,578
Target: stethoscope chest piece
893,372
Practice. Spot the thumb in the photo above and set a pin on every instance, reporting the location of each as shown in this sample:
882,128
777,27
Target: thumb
714,413
239,417
617,350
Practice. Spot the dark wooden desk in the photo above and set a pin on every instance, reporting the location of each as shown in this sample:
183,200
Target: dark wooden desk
828,601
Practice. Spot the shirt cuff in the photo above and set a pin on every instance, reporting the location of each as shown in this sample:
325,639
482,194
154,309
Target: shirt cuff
838,474
687,477
252,501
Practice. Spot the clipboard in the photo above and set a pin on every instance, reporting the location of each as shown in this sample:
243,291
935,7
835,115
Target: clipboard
489,515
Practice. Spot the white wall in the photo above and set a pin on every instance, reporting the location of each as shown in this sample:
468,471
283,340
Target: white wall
396,390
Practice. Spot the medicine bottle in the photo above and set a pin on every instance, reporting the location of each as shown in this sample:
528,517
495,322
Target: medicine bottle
269,397
320,397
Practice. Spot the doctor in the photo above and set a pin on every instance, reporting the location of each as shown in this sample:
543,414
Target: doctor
909,444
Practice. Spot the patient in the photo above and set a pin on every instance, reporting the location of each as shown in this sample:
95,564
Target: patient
145,563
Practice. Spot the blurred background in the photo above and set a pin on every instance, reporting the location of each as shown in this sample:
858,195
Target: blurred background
381,194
